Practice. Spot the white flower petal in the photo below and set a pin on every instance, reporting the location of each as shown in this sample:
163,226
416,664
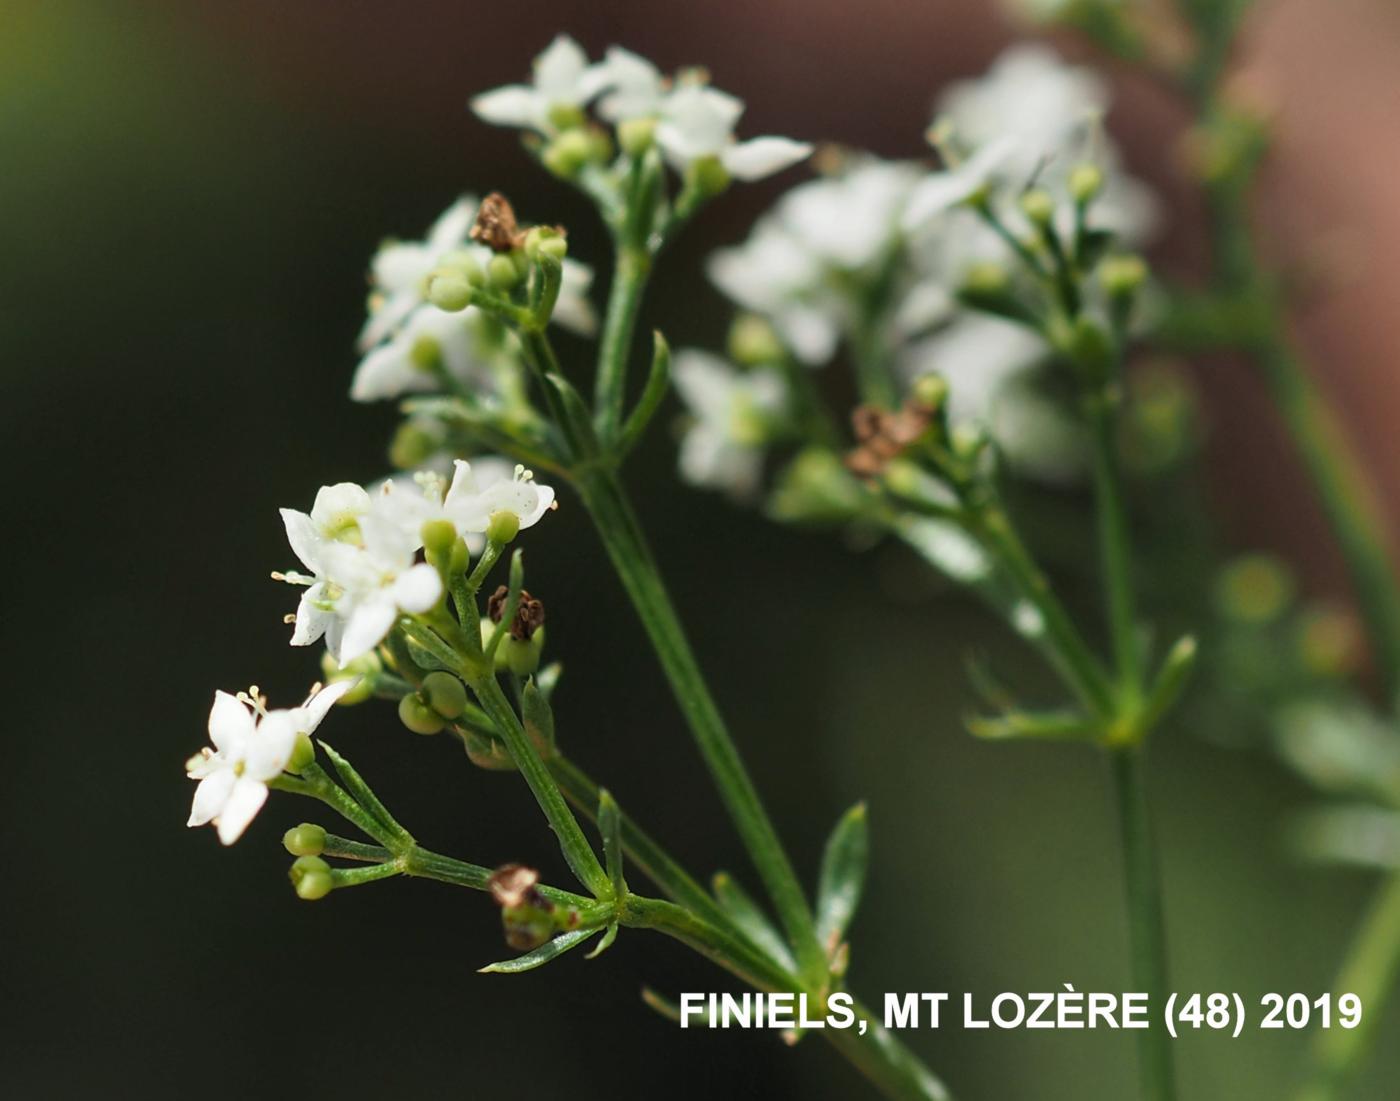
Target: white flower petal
418,589
271,747
759,157
366,627
211,795
314,710
304,539
231,724
514,105
242,806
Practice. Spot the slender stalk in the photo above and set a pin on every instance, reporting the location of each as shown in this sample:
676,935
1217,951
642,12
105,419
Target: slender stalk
577,851
633,266
1146,928
1369,971
876,1052
1115,548
621,535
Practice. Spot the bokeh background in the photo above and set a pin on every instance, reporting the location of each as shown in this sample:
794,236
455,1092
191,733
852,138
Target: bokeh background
189,196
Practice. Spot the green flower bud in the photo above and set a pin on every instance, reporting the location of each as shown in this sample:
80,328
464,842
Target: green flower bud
636,135
753,342
1085,182
930,391
308,839
1038,205
464,263
1092,347
412,446
311,878
461,558
1123,276
501,273
415,714
1255,588
303,753
503,526
445,694
707,176
449,290
566,116
566,155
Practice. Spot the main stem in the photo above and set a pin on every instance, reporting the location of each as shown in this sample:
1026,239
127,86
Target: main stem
1147,935
626,546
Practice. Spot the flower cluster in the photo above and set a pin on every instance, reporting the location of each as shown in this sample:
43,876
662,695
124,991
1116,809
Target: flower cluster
361,549
692,122
891,263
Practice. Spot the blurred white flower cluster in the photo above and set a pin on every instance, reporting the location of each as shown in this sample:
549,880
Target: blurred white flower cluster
868,259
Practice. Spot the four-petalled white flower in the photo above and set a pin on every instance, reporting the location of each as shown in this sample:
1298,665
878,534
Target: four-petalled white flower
250,746
562,85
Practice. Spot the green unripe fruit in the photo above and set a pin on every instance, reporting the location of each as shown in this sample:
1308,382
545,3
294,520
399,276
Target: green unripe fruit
439,537
303,753
707,176
753,342
445,694
308,839
636,136
600,146
449,290
311,878
503,526
544,241
522,656
502,273
930,391
418,716
1123,276
567,154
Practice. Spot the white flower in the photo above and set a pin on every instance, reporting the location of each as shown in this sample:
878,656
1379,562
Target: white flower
404,363
697,121
941,191
635,87
976,354
357,589
563,83
572,309
733,411
251,746
400,267
469,502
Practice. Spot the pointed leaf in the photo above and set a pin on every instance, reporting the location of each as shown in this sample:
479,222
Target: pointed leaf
362,794
658,382
610,825
750,919
1171,680
1046,725
842,876
547,951
538,718
605,943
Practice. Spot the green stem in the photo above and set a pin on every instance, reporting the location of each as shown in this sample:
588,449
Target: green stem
1369,972
877,1054
1115,548
577,851
621,535
1146,928
633,266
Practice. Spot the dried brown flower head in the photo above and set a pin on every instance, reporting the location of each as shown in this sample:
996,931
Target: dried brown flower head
529,615
496,227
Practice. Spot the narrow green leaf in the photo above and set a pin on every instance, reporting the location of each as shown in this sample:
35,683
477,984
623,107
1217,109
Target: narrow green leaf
547,951
605,943
364,796
669,1009
658,382
1045,725
610,824
842,876
751,919
580,422
1171,680
538,718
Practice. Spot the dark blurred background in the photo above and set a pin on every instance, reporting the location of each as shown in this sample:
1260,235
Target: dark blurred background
189,197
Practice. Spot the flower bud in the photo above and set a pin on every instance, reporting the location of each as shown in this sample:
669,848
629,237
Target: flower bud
311,878
1085,182
464,262
412,446
1255,588
415,714
1123,276
501,273
752,341
1038,205
930,391
308,839
707,176
445,694
303,753
503,526
566,155
449,290
600,146
815,488
547,241
636,136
